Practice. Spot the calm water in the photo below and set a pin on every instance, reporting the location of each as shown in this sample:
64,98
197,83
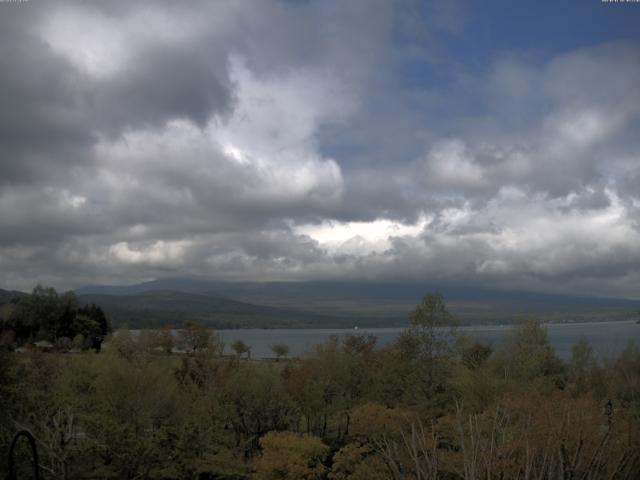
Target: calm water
606,338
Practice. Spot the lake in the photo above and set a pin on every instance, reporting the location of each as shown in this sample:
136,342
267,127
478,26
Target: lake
607,338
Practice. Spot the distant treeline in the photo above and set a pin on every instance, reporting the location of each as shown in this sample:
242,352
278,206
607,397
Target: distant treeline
431,405
47,316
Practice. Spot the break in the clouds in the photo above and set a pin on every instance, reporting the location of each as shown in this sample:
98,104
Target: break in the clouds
354,140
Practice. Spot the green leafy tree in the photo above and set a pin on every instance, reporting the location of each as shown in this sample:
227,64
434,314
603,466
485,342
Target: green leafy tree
359,344
45,315
281,350
93,324
195,337
582,367
429,320
625,380
37,315
420,357
527,355
123,343
326,386
134,407
78,342
255,401
240,348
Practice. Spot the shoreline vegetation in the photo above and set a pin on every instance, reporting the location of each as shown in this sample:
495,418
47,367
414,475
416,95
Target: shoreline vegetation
433,404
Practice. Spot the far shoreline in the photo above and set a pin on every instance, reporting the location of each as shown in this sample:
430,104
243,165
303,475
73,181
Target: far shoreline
359,328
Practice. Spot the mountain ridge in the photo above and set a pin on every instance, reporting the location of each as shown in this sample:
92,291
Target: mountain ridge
388,304
172,301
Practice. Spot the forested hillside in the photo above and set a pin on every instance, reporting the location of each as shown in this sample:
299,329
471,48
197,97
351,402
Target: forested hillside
156,308
432,405
333,304
7,296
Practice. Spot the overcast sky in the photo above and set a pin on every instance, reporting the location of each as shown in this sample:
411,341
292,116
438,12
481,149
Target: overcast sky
482,143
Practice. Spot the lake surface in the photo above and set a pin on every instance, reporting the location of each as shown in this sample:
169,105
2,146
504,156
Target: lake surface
607,338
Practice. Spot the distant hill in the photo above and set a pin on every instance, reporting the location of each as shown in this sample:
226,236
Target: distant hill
333,304
173,301
8,295
164,307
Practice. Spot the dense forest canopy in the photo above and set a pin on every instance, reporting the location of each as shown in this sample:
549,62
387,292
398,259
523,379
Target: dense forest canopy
434,404
48,316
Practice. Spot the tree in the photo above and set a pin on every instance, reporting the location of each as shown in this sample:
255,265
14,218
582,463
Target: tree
6,365
582,367
280,350
131,420
240,347
254,401
45,315
123,343
157,340
359,344
43,307
422,352
291,456
63,344
327,385
65,324
195,337
37,314
475,355
527,354
427,321
92,322
164,340
356,461
78,342
625,381
373,420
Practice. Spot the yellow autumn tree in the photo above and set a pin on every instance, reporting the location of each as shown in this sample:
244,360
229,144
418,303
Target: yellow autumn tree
358,461
290,456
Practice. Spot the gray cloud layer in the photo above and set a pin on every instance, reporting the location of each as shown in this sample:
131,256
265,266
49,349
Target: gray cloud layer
258,140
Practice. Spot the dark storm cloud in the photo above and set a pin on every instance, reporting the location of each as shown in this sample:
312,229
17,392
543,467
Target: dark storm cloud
42,130
165,82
